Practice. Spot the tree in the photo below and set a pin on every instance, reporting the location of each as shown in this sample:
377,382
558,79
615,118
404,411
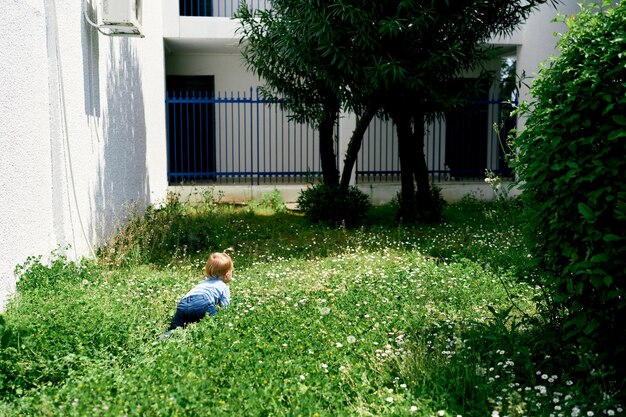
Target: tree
415,56
304,83
292,47
399,56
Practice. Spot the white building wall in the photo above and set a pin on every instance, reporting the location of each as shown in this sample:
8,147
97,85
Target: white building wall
538,40
82,130
25,208
228,69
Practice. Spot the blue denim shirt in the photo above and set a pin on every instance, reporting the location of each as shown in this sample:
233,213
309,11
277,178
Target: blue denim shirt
217,291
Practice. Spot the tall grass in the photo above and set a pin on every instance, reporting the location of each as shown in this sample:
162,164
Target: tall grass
385,319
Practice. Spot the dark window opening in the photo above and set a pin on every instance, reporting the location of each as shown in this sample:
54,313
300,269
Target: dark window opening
191,128
467,135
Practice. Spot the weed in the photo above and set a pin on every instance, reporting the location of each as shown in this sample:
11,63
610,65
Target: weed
270,203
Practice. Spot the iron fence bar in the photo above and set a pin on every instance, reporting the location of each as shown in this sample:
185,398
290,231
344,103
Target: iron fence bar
282,135
301,160
218,128
493,109
429,146
265,156
232,127
258,148
167,142
194,135
239,164
186,125
380,155
288,147
440,150
245,117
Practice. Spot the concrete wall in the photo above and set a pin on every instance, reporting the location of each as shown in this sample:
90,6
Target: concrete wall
211,48
82,130
379,193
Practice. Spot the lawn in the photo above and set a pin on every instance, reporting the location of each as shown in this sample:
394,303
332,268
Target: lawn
382,320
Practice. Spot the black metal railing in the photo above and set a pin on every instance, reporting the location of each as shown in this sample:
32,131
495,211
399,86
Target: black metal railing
217,8
244,138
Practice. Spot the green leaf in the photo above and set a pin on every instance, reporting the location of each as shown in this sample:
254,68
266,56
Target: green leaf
601,257
586,211
617,134
591,326
619,119
578,320
611,238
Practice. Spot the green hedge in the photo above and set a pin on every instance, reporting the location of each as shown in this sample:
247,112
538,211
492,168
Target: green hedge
571,160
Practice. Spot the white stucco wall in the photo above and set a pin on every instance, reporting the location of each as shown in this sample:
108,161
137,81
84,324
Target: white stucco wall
25,181
539,39
81,128
228,69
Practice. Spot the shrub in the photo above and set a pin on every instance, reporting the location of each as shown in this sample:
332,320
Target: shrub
570,161
427,211
432,209
35,348
160,234
36,275
326,204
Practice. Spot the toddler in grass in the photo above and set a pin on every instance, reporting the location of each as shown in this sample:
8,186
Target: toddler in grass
208,295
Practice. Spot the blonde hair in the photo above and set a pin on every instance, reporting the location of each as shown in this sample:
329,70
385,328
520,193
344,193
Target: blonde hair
218,265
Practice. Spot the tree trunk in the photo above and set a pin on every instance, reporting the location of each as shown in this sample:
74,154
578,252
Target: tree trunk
420,168
354,146
330,173
408,208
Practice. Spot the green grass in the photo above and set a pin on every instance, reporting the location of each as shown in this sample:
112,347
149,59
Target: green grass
386,319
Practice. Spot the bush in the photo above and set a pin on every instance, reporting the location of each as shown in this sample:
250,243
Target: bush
34,275
571,168
160,234
35,348
428,211
326,204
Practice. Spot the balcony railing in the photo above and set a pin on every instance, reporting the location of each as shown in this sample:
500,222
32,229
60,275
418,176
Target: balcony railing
218,8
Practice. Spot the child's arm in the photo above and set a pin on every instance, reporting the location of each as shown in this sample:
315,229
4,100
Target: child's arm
225,298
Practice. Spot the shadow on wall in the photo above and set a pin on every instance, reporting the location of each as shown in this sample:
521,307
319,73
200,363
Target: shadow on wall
122,167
